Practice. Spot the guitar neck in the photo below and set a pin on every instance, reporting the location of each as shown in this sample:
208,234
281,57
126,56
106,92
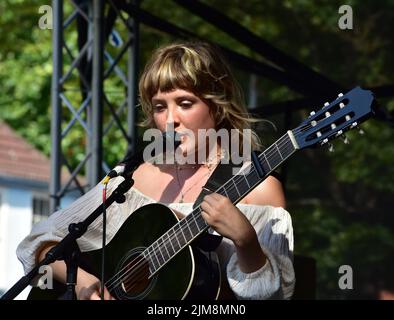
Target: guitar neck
247,179
236,188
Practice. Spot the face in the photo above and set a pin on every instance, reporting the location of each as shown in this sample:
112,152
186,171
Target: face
184,111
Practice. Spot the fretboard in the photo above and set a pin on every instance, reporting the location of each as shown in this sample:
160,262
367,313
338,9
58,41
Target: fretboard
236,188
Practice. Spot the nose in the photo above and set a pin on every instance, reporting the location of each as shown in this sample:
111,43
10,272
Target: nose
172,120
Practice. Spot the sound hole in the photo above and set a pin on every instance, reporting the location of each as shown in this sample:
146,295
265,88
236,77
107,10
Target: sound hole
133,276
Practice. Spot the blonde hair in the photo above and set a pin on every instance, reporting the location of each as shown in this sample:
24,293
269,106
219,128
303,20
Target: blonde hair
199,68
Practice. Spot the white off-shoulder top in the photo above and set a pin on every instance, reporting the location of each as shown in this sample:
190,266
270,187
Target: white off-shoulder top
274,280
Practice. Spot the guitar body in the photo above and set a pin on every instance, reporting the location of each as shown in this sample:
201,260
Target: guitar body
188,275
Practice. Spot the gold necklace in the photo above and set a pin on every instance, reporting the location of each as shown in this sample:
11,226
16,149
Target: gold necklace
210,168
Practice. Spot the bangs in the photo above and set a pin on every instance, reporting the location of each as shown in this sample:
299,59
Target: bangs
178,70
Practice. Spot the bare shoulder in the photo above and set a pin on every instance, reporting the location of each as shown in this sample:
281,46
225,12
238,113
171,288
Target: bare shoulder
269,192
144,170
143,175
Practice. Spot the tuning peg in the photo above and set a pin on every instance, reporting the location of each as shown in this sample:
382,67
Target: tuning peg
345,139
354,125
340,95
312,113
326,104
330,147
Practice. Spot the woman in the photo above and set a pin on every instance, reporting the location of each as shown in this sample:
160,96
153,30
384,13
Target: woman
188,87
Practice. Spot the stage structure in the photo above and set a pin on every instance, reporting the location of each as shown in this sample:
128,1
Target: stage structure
94,21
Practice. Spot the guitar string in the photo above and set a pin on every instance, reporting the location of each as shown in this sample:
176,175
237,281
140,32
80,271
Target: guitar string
160,246
269,154
182,228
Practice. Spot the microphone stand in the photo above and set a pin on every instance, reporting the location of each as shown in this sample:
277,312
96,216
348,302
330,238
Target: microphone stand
67,249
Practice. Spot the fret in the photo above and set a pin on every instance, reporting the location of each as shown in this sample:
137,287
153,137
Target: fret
265,166
289,148
181,236
176,237
153,258
193,225
232,180
246,179
225,192
279,151
266,160
196,223
185,230
165,246
253,176
188,221
159,256
161,250
171,245
144,255
242,186
200,220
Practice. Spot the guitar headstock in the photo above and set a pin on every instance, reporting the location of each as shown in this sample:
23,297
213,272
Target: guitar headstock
344,113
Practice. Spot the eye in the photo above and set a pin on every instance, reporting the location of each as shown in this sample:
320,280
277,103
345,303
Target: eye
186,104
158,108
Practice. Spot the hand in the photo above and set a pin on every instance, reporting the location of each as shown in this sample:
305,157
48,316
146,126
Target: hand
226,219
88,287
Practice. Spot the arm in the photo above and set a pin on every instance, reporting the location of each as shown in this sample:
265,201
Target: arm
249,252
87,287
268,193
258,243
230,222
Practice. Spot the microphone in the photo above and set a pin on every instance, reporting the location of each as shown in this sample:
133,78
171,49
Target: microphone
117,171
133,159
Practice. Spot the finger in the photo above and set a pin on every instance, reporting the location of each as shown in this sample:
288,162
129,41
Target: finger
215,200
206,217
209,199
107,295
217,196
206,207
95,296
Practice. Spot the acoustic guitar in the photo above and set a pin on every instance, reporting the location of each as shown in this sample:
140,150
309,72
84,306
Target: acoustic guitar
154,256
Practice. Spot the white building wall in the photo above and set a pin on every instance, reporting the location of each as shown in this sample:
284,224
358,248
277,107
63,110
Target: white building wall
16,215
15,224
